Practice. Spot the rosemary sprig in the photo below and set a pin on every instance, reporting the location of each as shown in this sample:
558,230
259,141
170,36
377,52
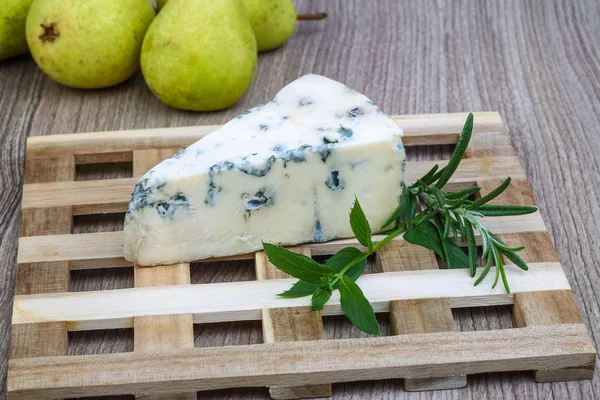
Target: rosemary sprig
445,219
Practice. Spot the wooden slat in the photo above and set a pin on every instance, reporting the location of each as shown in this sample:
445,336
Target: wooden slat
290,325
237,301
518,193
57,169
101,250
419,129
161,332
418,315
425,316
535,308
407,356
490,144
112,195
538,308
44,339
144,160
39,340
538,247
399,255
551,308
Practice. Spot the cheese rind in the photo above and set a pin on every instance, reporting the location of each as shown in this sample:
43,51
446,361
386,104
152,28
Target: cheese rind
286,172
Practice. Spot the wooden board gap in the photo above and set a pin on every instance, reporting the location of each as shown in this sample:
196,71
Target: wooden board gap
484,318
92,223
228,334
340,327
104,341
429,152
93,172
104,158
98,279
224,271
123,397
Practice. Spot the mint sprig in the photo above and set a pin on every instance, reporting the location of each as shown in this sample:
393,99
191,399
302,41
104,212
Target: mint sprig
447,218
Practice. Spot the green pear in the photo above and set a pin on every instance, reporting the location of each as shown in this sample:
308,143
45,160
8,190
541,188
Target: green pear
13,14
199,54
88,44
273,22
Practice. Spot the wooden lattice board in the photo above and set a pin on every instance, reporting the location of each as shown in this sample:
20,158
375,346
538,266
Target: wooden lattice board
295,361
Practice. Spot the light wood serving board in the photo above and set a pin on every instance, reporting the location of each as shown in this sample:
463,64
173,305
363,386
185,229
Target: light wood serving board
295,361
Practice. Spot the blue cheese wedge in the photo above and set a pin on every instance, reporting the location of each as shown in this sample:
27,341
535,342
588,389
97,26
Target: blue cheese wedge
285,172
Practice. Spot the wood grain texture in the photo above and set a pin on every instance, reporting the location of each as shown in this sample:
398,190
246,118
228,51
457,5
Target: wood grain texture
338,360
551,308
244,301
86,250
534,61
44,339
163,332
290,325
420,129
418,315
110,196
160,332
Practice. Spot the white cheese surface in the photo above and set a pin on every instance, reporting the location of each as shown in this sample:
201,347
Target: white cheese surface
285,172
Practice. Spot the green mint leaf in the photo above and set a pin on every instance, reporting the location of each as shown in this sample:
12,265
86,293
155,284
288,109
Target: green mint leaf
299,289
320,297
337,262
491,195
472,246
342,258
360,225
357,308
456,256
493,210
297,265
426,234
458,153
452,253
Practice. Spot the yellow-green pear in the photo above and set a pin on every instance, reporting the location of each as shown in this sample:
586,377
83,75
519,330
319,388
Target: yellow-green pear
13,14
199,54
88,44
273,22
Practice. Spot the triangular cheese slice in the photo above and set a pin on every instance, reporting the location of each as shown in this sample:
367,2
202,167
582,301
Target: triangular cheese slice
286,172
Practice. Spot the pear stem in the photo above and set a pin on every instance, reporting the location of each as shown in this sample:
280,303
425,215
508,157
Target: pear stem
311,17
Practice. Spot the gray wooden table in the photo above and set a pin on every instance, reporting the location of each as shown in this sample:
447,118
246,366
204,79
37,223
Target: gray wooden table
537,62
